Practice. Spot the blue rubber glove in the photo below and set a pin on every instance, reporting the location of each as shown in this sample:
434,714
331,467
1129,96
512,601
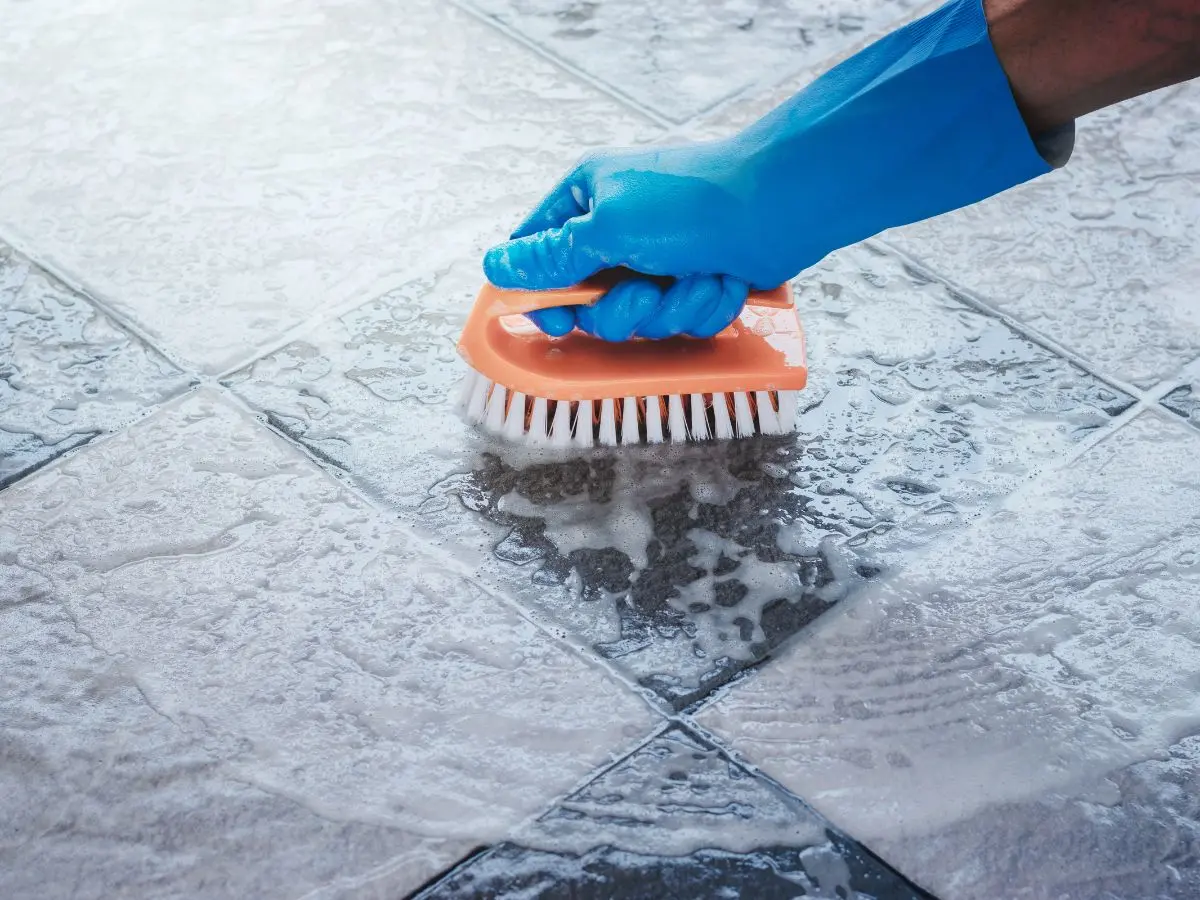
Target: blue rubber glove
920,123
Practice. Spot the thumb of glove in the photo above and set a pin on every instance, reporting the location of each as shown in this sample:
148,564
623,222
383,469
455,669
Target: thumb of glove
554,258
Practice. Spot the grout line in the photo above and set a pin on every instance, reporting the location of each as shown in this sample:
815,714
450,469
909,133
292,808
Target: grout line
331,312
520,38
1055,464
724,746
813,70
973,299
71,282
350,483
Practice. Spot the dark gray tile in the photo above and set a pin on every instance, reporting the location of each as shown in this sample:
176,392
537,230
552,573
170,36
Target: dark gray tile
67,373
685,565
676,819
1184,402
681,58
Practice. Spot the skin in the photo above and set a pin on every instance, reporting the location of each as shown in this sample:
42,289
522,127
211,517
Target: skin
1067,58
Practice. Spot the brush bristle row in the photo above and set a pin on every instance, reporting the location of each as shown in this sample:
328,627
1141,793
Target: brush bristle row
624,420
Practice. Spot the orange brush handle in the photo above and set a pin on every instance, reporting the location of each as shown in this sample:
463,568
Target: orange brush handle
511,303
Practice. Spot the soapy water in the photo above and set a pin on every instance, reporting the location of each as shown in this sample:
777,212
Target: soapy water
684,565
674,818
684,542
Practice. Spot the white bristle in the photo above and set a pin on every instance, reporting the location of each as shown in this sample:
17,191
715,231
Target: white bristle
768,421
608,422
467,389
654,429
539,422
721,423
479,395
560,431
514,422
699,421
742,414
494,418
676,420
630,433
584,427
788,401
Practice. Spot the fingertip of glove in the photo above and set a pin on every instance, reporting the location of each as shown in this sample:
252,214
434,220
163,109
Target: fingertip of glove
556,321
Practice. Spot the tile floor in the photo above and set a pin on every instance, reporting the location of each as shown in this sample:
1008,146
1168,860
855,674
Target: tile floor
276,624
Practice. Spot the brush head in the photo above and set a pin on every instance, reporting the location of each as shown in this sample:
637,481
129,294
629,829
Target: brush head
578,390
611,421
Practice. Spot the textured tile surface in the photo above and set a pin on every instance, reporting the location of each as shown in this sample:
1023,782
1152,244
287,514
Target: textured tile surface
1185,402
219,174
676,819
681,58
1029,687
67,373
263,648
686,565
1104,255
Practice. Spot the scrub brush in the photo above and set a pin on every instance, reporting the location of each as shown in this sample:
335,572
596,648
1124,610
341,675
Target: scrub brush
578,390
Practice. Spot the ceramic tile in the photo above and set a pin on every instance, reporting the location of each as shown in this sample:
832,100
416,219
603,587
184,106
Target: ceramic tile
681,58
686,565
676,819
105,796
1015,714
1183,401
729,118
217,175
280,653
67,373
1102,256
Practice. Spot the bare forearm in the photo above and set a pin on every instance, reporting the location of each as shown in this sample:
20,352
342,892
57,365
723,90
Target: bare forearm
1066,58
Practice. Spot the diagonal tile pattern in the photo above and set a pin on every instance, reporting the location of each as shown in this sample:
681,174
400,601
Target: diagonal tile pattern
67,372
326,153
675,819
230,674
299,645
1183,401
685,565
1103,255
989,709
679,59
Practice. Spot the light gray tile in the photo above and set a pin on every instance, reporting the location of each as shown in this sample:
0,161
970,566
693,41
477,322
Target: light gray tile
219,174
1102,256
685,565
289,639
67,373
104,796
976,718
1185,402
681,58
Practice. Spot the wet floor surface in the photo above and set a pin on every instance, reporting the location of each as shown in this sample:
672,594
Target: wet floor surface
277,624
